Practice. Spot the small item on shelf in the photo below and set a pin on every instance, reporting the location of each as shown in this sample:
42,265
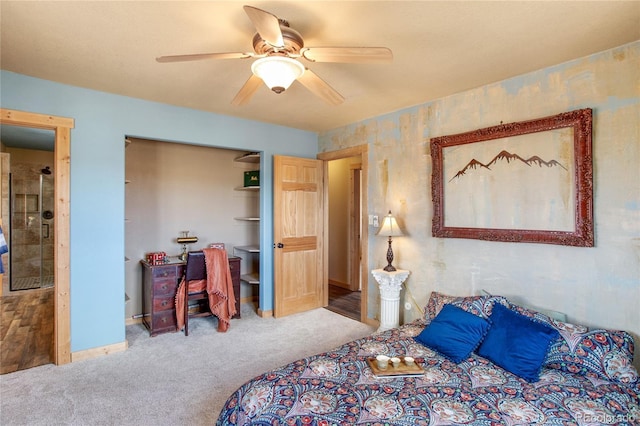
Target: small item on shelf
250,157
252,178
156,258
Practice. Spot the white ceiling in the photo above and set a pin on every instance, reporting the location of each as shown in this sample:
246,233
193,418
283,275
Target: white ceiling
439,48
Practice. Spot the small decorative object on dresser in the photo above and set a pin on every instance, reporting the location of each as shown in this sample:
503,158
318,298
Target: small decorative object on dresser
185,239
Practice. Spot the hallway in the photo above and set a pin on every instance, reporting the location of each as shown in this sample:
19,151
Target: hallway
344,302
26,329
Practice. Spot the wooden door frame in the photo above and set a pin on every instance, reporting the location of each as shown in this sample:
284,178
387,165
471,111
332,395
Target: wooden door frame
361,151
62,153
355,205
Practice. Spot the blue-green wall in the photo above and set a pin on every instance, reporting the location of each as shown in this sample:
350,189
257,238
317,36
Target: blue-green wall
97,185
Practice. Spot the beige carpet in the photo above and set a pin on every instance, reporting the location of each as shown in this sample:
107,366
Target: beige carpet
169,379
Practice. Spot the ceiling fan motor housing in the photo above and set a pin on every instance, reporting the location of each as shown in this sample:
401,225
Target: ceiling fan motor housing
292,42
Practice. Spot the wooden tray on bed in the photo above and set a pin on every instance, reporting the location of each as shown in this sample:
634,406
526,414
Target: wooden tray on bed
402,370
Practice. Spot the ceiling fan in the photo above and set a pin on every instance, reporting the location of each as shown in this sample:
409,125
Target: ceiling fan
277,47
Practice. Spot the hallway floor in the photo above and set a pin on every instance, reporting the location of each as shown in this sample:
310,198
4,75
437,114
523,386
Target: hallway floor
344,302
26,329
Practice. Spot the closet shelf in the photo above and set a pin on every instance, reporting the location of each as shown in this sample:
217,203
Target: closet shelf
252,157
251,278
249,249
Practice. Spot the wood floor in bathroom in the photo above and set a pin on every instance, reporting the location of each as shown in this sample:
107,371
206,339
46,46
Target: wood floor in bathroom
26,329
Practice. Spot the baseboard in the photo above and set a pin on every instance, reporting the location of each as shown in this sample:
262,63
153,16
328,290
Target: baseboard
100,351
372,321
138,319
132,321
265,314
339,284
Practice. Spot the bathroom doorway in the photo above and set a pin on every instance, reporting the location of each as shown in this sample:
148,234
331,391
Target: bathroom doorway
31,212
61,127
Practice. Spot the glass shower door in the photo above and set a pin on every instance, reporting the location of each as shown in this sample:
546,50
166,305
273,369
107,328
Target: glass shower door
46,228
31,250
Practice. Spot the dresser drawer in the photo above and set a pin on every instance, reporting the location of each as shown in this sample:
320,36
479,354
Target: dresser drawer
164,303
164,321
165,287
234,267
161,272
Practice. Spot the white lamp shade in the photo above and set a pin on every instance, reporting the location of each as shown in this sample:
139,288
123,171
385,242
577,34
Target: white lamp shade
277,72
390,227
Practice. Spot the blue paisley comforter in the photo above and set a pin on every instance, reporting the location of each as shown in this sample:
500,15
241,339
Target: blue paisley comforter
338,388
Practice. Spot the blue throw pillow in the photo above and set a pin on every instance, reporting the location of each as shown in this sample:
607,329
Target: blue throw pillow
454,333
516,343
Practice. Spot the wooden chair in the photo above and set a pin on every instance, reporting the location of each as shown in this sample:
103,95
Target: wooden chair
195,270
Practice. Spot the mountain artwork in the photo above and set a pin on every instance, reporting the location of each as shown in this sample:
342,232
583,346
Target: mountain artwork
508,157
526,181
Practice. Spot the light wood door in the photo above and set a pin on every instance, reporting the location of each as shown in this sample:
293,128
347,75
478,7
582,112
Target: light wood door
298,235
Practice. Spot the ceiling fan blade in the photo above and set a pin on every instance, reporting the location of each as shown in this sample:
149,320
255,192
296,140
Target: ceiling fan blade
200,56
320,88
267,25
358,55
246,92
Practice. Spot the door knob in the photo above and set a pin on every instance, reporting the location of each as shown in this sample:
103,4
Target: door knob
280,245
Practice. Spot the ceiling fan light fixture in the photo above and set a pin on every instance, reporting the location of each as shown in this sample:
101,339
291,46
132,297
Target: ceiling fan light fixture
277,72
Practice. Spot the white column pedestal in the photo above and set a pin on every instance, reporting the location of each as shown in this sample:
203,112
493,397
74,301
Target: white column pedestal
390,285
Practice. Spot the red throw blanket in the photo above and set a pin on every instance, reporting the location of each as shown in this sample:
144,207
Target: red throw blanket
218,285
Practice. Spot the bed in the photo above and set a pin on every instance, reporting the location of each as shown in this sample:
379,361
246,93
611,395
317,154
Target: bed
585,377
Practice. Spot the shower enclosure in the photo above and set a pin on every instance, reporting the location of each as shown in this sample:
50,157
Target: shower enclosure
31,243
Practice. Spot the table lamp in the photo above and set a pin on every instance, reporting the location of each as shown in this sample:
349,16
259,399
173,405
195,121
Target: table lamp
390,229
185,239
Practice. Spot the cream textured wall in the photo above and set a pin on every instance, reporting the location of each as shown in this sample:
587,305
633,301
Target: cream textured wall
339,220
597,286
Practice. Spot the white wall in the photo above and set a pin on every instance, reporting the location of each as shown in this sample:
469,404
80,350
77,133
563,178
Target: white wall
597,286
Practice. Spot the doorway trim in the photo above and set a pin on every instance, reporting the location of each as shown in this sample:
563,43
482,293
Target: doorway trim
62,152
355,227
361,151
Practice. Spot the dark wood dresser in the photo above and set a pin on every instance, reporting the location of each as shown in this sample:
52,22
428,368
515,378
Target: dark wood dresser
159,285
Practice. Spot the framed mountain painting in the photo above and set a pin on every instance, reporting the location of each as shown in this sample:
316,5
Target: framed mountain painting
529,181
